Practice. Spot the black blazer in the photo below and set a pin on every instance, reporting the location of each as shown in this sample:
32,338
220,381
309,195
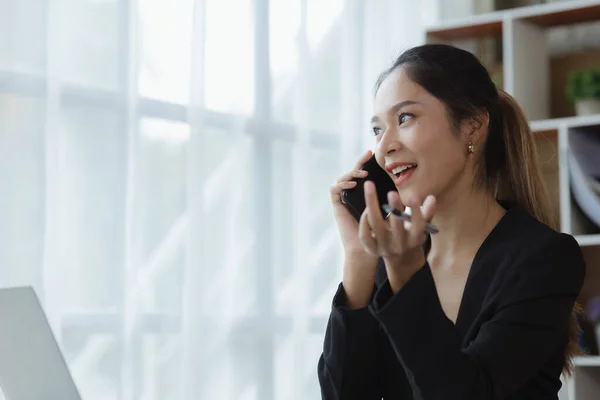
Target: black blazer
508,341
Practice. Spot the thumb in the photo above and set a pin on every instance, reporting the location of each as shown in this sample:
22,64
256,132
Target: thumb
428,207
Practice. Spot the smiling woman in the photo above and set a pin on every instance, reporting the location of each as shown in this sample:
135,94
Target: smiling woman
485,308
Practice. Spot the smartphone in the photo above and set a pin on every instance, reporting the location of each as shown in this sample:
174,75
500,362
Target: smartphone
355,198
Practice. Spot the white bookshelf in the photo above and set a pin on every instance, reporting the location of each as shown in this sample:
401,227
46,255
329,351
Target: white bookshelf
588,240
587,361
569,122
526,58
585,383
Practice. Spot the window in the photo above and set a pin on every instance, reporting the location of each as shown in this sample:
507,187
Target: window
98,127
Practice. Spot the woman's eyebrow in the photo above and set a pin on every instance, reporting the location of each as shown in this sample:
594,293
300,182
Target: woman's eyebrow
395,108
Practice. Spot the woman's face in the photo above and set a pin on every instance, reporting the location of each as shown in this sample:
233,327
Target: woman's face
415,140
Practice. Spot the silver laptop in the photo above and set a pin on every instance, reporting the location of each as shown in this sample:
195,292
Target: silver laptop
31,364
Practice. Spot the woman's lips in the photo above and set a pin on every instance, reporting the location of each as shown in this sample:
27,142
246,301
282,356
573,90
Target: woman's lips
404,176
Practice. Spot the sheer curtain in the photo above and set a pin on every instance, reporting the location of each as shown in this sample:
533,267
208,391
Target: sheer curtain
164,168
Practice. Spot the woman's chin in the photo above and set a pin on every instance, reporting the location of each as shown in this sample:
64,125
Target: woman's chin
407,196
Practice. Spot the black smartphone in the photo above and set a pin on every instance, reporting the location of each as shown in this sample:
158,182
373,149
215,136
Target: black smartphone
355,198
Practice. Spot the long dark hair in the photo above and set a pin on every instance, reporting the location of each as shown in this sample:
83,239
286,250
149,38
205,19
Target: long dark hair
508,166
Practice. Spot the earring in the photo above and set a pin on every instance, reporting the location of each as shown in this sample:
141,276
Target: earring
471,148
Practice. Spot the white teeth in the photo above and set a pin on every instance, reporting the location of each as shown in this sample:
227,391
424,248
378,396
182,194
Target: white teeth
403,168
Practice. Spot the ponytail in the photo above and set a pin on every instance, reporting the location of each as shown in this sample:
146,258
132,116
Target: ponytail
520,181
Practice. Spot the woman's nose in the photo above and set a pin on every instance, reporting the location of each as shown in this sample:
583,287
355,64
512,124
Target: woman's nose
390,143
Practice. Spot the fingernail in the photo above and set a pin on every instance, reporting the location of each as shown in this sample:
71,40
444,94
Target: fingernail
369,187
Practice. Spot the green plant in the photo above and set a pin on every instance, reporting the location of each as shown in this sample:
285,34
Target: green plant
583,84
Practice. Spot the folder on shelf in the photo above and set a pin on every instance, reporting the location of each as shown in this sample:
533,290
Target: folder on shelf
584,171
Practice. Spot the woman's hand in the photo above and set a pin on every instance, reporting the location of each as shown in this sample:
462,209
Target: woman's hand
399,243
360,266
346,223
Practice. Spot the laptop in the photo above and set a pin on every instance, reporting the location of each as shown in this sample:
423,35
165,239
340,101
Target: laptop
32,366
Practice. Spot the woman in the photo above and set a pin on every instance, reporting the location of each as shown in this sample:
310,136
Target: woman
485,308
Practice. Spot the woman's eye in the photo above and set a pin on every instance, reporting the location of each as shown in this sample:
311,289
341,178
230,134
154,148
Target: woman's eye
377,130
402,118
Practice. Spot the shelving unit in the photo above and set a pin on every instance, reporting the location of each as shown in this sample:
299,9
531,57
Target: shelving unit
586,382
519,42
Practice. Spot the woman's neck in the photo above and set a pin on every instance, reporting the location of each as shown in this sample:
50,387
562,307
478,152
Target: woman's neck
464,221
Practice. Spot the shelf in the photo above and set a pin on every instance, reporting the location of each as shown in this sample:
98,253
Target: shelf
569,122
543,15
588,240
559,14
587,361
489,25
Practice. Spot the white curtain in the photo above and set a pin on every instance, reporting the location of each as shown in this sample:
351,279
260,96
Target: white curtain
164,168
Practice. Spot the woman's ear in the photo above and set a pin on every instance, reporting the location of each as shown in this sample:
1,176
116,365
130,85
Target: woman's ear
475,128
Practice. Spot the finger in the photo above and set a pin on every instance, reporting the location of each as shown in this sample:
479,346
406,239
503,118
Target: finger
365,234
396,224
336,190
408,211
357,173
363,159
428,208
373,211
417,230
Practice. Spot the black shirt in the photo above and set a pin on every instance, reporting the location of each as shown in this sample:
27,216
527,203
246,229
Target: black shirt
508,341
